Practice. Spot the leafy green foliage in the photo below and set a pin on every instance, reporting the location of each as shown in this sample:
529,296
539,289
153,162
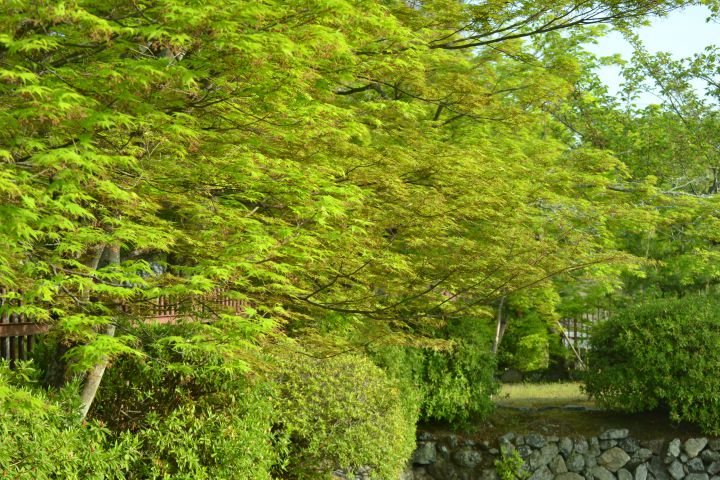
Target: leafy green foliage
194,410
454,384
43,438
664,353
342,413
510,465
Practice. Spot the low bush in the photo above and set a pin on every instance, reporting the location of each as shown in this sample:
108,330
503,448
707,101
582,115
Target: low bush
452,385
342,413
198,414
660,354
43,436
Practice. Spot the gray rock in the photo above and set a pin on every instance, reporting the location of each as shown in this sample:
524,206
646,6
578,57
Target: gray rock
575,462
673,450
715,478
657,470
641,472
425,436
557,465
641,456
443,469
590,462
607,444
581,446
425,453
624,474
508,437
488,474
714,468
614,434
710,456
683,457
630,445
693,446
494,451
714,444
569,476
613,459
601,473
535,440
542,457
443,451
697,476
594,446
696,465
525,451
565,445
676,470
552,439
467,457
519,440
453,441
542,473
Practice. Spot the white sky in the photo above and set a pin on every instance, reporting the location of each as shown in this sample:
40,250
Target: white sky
682,33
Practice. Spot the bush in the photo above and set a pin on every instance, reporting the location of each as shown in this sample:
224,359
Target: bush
660,354
43,436
342,413
454,385
198,414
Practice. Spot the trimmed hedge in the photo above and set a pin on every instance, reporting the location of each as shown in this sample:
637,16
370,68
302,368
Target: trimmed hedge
664,353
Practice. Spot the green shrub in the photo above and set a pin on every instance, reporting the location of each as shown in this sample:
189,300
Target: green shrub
342,413
43,436
198,414
660,354
454,385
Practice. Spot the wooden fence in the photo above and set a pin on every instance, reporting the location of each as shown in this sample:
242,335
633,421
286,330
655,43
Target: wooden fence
18,334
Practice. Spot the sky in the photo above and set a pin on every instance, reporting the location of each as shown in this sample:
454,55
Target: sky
682,33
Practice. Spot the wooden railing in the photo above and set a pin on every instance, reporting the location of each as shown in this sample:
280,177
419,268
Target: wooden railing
18,334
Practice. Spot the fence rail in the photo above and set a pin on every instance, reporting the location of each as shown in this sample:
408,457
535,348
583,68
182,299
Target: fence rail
18,334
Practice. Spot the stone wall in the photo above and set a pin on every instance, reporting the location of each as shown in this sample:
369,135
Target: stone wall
613,455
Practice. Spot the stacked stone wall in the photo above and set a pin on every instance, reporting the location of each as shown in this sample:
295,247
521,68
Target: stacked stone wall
613,455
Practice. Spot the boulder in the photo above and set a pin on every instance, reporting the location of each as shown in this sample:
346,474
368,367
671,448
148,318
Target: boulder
565,445
535,440
696,465
624,474
676,470
630,445
714,468
714,444
614,434
697,476
601,473
693,446
710,456
613,459
641,472
575,462
425,454
607,444
557,465
467,457
569,476
542,473
673,450
657,469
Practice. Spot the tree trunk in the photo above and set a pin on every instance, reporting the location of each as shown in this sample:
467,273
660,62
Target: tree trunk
57,374
500,326
94,377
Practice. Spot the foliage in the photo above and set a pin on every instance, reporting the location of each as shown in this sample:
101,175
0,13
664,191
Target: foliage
43,438
454,384
195,410
664,353
342,413
510,465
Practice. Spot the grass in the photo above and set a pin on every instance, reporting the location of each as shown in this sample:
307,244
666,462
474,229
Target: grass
537,407
537,395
